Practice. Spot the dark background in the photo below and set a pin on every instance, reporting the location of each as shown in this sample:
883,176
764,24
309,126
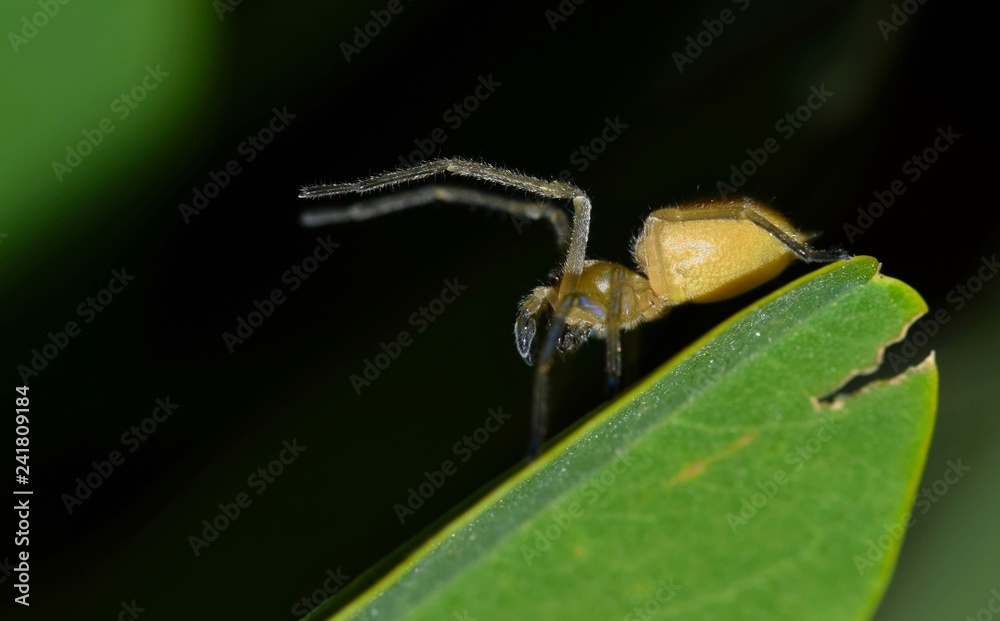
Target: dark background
332,508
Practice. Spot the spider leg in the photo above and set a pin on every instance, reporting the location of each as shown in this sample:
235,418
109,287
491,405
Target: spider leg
572,268
800,248
576,255
796,245
463,168
553,189
613,354
546,358
416,197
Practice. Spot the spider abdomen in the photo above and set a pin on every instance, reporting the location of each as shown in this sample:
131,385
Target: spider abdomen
708,252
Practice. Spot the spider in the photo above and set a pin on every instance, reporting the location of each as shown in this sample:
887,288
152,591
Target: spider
698,252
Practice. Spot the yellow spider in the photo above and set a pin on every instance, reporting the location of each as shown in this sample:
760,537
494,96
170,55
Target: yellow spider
698,252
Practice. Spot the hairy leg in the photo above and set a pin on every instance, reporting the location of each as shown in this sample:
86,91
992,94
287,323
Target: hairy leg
415,197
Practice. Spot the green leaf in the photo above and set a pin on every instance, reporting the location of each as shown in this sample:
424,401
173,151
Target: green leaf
721,487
